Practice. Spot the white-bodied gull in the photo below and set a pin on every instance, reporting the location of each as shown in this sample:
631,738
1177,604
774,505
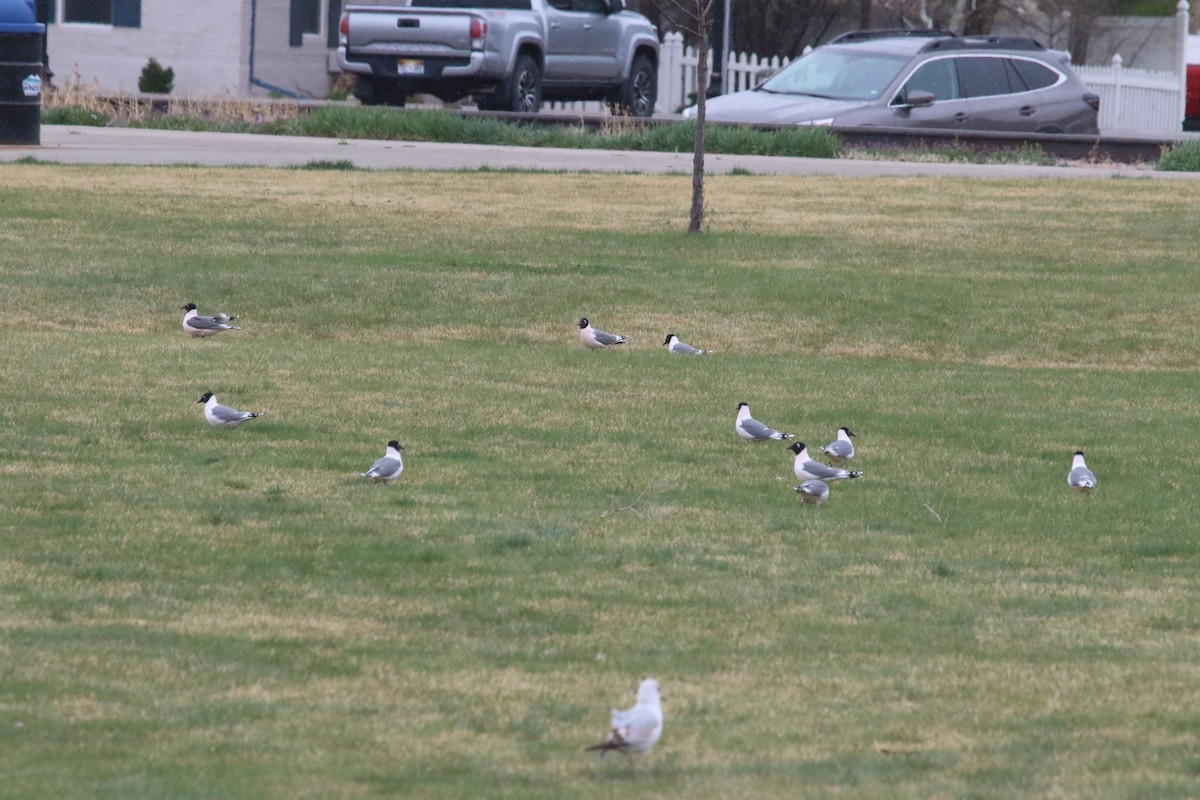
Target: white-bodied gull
198,325
841,449
806,469
636,729
388,466
1080,478
813,492
223,416
597,340
749,428
683,348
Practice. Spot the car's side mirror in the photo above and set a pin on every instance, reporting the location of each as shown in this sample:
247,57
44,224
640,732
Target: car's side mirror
919,98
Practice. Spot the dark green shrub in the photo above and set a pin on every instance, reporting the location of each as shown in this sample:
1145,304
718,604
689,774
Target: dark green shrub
156,79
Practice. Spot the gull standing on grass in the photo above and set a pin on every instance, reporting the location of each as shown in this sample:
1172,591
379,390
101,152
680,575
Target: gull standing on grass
1080,478
597,340
749,428
636,729
813,492
675,346
808,470
388,466
223,416
841,449
198,325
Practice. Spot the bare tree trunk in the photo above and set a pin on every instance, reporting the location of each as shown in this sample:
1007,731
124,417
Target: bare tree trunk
696,220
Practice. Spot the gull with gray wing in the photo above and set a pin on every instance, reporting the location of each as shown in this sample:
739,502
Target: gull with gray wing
594,339
748,427
220,416
813,492
1080,478
806,469
682,348
388,466
198,325
841,449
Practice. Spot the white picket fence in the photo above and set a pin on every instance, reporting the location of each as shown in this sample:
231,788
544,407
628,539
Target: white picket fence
1136,100
1132,101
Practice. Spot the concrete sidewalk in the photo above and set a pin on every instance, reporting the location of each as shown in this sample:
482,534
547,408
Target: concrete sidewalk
83,145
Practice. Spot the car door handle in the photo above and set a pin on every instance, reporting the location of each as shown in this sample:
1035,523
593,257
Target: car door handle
961,116
1027,111
587,26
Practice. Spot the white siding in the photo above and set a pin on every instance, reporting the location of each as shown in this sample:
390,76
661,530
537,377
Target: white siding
206,43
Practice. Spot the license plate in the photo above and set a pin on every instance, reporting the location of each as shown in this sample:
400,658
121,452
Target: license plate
410,66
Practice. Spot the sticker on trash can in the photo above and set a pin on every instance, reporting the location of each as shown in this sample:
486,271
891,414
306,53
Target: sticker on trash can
32,85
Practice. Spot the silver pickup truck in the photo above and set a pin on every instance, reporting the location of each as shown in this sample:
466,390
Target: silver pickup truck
508,54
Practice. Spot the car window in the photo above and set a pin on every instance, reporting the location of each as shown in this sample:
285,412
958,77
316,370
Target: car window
1035,75
980,76
561,5
838,74
938,77
590,6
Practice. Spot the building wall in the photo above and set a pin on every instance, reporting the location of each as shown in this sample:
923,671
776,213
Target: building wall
207,43
200,41
303,70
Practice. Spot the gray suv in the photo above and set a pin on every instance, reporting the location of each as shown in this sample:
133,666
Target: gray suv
924,79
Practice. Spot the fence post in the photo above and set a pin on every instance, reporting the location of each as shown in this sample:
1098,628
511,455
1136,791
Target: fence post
670,72
1117,92
1182,17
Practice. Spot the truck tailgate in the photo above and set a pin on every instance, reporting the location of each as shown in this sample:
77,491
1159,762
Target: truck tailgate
390,30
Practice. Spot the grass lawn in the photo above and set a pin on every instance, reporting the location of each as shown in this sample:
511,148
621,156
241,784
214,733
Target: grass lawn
187,612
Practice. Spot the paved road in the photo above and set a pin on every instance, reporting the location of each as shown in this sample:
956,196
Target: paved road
83,145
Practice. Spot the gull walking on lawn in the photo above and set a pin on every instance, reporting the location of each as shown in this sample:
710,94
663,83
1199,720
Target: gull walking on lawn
682,348
808,470
597,340
388,466
223,416
198,325
636,729
1080,478
813,493
841,449
748,427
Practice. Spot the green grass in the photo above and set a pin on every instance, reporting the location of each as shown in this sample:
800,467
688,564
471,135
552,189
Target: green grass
195,613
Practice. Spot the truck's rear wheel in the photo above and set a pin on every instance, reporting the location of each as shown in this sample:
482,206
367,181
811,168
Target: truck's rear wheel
522,92
639,93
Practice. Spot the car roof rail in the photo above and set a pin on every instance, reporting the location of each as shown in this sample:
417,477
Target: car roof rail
888,33
994,42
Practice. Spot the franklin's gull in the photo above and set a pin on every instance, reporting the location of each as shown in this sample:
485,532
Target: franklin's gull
749,428
675,346
597,340
636,729
223,416
388,466
806,469
841,449
197,325
1080,478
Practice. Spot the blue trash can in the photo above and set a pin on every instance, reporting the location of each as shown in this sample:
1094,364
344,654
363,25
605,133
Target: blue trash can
20,73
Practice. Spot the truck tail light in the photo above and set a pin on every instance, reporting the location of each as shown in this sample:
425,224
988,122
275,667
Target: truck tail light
478,32
344,28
